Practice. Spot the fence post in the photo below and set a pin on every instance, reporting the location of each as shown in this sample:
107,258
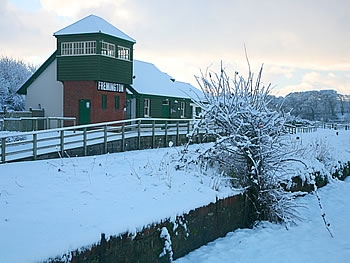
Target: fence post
3,150
177,134
105,139
35,146
62,142
123,137
139,135
153,133
166,134
36,124
85,141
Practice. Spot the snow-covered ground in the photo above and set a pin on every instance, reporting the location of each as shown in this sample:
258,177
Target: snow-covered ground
50,207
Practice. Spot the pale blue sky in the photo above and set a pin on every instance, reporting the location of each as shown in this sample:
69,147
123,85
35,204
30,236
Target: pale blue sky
29,5
302,44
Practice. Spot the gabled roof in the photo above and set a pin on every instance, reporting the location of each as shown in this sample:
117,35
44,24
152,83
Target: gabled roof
93,24
150,80
23,90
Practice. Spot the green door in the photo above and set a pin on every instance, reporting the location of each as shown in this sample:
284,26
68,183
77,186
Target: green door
84,111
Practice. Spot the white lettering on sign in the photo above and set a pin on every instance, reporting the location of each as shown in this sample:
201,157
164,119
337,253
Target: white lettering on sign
107,86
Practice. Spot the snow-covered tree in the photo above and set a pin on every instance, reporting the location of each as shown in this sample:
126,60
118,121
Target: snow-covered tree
13,73
249,144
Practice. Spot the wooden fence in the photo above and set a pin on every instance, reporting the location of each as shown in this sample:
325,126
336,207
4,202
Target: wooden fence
26,145
34,144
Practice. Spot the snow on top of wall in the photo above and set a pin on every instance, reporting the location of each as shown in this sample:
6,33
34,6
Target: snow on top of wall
93,24
150,80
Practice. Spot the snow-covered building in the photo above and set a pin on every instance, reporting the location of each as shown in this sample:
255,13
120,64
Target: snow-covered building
156,94
92,76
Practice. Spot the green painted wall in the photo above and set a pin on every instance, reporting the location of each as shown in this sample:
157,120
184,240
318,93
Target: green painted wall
95,66
157,108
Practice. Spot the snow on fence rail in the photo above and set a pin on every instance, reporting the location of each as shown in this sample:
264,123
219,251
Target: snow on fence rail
35,143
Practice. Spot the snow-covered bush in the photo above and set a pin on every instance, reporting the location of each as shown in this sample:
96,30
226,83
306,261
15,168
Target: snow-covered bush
250,145
13,73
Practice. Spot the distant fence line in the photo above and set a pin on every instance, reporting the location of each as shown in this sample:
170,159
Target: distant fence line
312,128
299,129
24,124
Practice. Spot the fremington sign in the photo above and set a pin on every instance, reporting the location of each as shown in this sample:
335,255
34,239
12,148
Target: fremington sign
108,86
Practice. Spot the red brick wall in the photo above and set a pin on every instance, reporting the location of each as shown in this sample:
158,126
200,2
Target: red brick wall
76,90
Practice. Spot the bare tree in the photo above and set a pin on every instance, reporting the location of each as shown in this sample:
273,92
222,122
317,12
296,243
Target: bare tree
249,147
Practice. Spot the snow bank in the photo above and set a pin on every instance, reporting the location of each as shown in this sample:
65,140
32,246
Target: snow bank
51,207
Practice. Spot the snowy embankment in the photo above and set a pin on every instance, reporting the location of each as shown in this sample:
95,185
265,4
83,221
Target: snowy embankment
55,206
308,241
51,207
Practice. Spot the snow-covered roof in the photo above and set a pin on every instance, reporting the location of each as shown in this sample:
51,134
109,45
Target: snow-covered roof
150,80
93,24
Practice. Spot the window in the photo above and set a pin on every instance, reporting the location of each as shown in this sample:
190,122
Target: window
78,48
107,49
90,47
146,107
123,53
66,49
116,102
182,109
104,101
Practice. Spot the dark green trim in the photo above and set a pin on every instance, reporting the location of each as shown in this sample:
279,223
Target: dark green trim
132,90
23,90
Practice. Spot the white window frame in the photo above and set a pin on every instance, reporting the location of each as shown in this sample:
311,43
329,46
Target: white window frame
147,106
123,53
107,49
90,47
182,109
78,48
66,49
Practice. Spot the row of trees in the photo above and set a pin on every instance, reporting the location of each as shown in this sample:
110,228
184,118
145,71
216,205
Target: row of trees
323,105
13,73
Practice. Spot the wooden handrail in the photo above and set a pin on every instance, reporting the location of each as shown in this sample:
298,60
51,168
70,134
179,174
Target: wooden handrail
58,139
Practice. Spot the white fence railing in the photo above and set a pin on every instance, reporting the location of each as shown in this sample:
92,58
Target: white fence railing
35,143
32,144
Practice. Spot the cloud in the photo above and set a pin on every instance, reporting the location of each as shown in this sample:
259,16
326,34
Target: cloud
27,35
183,37
338,80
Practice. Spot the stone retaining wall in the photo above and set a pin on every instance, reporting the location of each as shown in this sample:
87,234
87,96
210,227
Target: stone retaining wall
187,233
